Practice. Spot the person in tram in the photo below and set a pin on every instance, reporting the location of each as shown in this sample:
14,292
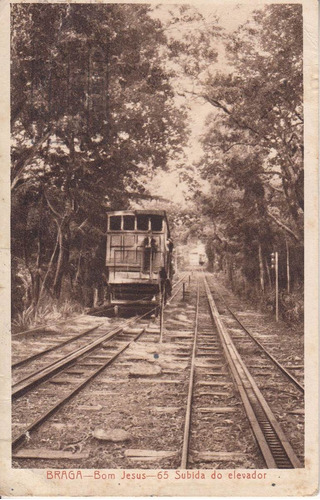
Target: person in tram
150,250
169,247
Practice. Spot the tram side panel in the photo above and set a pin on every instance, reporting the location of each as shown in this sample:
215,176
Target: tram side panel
133,262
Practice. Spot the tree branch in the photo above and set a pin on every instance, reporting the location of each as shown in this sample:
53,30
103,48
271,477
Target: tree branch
30,155
283,226
225,150
51,207
278,190
272,172
219,105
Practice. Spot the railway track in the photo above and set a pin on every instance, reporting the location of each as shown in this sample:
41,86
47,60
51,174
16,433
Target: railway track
78,369
273,443
51,343
79,365
77,355
241,334
199,407
211,400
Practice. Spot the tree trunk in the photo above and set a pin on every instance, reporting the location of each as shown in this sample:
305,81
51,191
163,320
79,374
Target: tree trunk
77,280
261,269
289,182
77,276
268,274
63,258
288,267
64,228
229,270
37,274
50,265
29,289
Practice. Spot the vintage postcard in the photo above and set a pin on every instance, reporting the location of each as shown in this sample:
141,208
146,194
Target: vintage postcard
159,259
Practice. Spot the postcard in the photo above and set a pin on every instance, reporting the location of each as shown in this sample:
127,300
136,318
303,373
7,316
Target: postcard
159,248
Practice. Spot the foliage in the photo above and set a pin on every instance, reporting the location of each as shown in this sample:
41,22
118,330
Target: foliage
253,148
96,114
259,118
48,314
92,109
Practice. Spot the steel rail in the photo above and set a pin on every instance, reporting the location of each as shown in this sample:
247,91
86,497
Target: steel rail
91,312
270,356
36,423
186,434
24,385
176,293
274,446
53,348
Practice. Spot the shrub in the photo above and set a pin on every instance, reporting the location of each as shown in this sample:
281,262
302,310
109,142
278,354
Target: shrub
45,314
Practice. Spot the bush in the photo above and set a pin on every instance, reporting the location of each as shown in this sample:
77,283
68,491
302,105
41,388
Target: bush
50,313
292,306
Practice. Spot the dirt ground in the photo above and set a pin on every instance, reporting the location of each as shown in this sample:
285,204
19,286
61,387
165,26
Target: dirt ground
147,409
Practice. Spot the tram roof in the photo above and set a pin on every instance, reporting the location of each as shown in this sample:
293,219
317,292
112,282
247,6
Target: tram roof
142,212
139,212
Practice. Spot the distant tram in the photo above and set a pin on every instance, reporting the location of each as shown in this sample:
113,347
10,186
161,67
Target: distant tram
138,256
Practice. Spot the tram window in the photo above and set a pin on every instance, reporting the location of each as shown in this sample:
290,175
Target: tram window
156,223
115,223
128,222
142,222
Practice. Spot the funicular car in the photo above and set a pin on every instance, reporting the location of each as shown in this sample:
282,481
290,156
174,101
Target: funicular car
138,256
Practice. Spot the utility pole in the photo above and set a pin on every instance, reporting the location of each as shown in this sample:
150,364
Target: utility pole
288,267
162,292
275,266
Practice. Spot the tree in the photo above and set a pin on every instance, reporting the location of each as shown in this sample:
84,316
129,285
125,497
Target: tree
253,141
259,106
92,110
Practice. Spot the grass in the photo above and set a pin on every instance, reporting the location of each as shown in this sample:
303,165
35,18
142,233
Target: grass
45,314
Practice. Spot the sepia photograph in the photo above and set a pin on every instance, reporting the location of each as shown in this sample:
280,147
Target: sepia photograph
158,244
